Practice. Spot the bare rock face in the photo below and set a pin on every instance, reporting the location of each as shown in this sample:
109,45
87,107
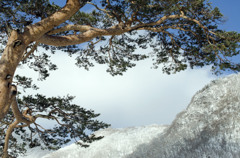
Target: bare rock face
208,128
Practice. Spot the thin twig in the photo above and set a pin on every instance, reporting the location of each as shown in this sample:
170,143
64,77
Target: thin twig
34,47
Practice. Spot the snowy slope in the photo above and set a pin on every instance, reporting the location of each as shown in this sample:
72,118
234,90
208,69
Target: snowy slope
209,127
35,153
115,144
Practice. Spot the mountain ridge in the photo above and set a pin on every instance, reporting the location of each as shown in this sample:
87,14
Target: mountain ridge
208,127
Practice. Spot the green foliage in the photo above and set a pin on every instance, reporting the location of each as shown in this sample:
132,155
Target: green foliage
41,64
175,48
71,122
83,18
25,82
20,13
179,43
119,55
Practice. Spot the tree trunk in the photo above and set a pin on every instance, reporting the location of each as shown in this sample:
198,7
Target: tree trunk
9,61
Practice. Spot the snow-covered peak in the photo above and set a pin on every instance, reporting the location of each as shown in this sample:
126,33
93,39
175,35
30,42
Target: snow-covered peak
209,127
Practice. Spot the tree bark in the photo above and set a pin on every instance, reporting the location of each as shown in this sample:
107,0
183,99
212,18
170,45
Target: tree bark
17,43
14,53
9,61
8,134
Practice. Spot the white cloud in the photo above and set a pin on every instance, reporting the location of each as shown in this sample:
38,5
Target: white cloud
141,96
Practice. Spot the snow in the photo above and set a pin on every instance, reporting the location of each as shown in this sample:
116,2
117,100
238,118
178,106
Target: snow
35,153
115,144
209,127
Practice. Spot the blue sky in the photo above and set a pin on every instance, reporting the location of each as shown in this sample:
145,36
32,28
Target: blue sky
142,96
231,11
229,8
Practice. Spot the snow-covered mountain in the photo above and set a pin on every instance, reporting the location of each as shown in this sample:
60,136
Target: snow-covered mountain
209,127
116,144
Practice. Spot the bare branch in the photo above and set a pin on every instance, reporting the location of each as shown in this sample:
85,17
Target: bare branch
21,126
18,115
19,119
81,38
133,18
45,130
100,39
7,137
38,130
50,117
103,10
110,46
34,47
38,29
81,28
173,43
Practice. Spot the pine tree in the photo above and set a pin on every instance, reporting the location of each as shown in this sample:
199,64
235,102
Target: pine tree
179,33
